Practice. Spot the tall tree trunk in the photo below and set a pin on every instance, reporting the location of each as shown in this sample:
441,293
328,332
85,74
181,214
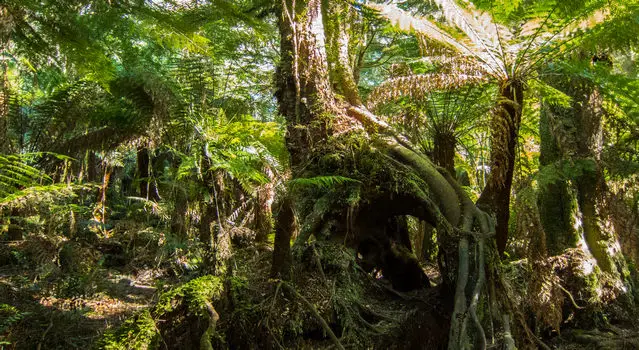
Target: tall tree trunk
303,87
581,142
591,183
285,229
495,198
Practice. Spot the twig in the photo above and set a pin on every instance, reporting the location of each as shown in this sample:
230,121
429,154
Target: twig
319,317
44,335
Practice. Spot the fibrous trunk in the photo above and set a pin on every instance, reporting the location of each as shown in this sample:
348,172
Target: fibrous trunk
444,151
495,197
143,161
178,218
263,215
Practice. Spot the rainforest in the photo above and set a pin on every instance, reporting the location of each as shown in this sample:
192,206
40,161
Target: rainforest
319,174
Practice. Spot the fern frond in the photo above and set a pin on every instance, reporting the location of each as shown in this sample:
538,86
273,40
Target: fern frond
323,182
33,195
487,51
16,175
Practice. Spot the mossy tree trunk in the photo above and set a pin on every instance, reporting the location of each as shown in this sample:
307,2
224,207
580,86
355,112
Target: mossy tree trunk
554,198
591,183
580,142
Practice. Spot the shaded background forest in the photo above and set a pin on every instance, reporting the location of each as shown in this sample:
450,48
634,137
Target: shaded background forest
153,154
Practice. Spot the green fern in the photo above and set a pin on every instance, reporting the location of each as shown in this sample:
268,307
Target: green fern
16,175
322,182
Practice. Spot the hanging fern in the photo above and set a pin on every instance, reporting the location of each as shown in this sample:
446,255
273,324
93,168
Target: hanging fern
16,175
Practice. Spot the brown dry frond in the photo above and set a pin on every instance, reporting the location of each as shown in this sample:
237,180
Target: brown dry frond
418,86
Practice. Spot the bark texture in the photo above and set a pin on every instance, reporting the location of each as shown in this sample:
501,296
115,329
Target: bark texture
495,198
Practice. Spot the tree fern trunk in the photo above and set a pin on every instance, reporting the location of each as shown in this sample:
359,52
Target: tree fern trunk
157,167
143,161
285,229
92,166
5,144
495,198
444,151
263,216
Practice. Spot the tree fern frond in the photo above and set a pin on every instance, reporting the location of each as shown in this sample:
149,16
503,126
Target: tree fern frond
479,26
407,22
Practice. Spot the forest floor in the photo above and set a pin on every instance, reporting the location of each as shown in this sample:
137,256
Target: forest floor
59,312
56,304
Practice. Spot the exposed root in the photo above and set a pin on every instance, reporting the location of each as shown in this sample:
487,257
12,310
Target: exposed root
572,299
456,328
476,292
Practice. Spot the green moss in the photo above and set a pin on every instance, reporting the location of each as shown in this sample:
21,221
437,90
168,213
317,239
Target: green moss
195,293
138,332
